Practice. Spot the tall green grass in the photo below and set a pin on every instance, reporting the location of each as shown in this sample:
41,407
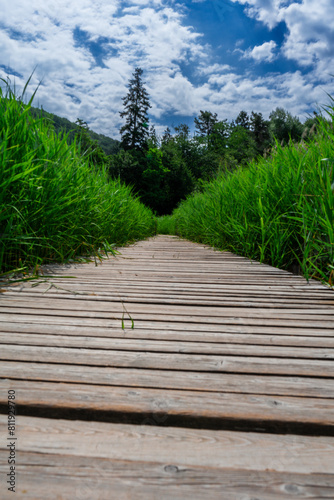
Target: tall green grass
53,205
166,224
278,210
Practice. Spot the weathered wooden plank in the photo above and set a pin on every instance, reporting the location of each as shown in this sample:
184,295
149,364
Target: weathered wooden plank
170,361
168,298
102,318
70,476
163,292
107,276
149,297
158,264
250,410
75,304
194,267
206,273
220,291
170,379
184,265
176,446
195,279
192,354
106,301
174,346
297,328
276,337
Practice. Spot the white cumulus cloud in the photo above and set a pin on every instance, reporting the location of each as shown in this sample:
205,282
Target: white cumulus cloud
264,52
85,51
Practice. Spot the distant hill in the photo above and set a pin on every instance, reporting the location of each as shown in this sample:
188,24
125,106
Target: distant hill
110,146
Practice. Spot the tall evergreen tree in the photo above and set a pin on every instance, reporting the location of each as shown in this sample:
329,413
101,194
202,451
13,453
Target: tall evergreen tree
167,136
242,120
259,128
136,104
182,138
205,122
153,140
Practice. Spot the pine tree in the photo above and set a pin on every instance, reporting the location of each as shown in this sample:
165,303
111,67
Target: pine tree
242,120
153,140
205,122
259,128
205,125
136,104
167,136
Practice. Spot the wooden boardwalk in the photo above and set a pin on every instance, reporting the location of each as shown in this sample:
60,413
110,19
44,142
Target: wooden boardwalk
223,388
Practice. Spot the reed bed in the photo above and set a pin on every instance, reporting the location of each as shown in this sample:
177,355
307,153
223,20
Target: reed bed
54,206
278,210
166,224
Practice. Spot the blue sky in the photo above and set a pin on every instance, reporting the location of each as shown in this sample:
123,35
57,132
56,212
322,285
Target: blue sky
218,55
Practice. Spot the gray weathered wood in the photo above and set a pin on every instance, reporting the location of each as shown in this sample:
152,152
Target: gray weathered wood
177,446
81,477
219,341
170,379
171,361
190,337
175,346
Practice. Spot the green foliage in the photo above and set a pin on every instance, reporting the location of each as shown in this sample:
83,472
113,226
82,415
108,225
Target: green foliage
166,225
242,120
219,138
205,125
153,140
260,132
241,145
127,166
284,126
279,210
153,187
136,104
180,181
159,176
64,126
53,204
87,147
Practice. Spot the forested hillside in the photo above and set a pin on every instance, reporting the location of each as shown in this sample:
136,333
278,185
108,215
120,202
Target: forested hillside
108,145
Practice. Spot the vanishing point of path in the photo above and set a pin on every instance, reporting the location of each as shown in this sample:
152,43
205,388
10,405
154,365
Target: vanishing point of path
172,371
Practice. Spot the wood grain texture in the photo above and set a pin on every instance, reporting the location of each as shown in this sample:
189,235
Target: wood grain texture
170,297
170,361
189,347
229,334
104,318
219,342
170,379
195,405
205,329
80,477
73,305
177,446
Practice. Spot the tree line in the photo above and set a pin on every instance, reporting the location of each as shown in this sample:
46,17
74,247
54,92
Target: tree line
164,170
